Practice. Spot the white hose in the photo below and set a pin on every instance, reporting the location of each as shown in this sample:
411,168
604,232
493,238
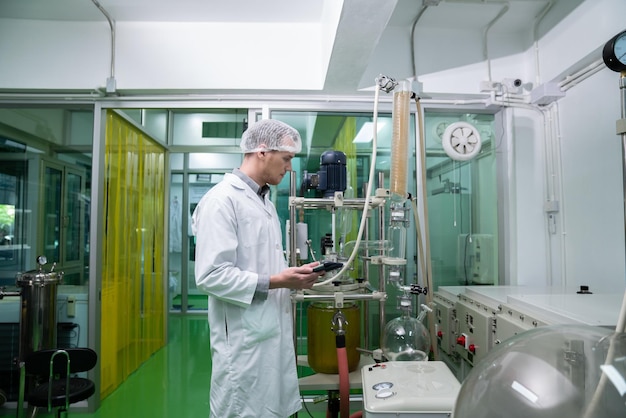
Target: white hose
426,264
366,205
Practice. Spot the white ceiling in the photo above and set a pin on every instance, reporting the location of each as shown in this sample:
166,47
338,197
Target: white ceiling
362,25
166,10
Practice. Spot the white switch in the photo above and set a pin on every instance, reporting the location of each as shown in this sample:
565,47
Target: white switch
71,306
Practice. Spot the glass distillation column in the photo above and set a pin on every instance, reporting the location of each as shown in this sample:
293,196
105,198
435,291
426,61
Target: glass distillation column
400,143
405,338
398,178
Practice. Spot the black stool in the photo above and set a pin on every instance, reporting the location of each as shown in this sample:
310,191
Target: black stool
54,386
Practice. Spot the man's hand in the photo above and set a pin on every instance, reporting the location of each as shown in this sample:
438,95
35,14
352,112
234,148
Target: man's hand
302,277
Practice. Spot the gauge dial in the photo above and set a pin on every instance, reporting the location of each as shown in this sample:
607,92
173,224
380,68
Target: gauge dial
382,385
614,52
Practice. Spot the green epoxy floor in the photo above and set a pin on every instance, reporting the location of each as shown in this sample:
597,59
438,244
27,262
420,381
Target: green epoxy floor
173,383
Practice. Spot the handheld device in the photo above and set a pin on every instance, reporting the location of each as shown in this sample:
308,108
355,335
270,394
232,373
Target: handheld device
327,266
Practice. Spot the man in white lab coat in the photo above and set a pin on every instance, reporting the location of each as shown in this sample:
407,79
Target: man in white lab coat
241,266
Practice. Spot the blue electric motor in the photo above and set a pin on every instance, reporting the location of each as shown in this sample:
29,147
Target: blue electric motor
332,174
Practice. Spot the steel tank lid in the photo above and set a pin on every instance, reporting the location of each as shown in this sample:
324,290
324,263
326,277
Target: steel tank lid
39,276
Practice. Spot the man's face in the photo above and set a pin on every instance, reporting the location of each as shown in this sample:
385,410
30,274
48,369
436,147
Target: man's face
277,164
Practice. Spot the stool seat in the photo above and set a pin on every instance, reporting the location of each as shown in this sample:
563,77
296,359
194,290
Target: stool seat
55,380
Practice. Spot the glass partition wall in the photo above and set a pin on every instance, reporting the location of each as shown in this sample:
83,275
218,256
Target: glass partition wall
461,196
45,193
46,189
462,203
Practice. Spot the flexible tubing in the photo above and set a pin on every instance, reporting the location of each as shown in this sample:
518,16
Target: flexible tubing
366,205
112,26
344,382
427,272
413,26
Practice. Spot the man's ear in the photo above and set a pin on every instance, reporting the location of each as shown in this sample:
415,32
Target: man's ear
262,151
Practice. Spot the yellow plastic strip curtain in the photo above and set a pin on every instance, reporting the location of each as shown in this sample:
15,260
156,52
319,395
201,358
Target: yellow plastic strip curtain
133,301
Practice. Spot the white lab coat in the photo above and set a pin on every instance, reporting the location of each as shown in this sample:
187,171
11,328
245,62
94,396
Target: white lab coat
253,361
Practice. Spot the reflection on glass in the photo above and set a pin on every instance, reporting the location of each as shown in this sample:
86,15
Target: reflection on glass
462,205
52,213
15,218
7,235
73,217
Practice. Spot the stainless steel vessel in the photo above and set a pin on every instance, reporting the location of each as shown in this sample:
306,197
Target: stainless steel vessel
38,324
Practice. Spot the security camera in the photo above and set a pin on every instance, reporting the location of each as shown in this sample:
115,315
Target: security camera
512,83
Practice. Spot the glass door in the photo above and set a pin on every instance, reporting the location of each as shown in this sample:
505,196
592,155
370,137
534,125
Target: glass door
185,193
63,222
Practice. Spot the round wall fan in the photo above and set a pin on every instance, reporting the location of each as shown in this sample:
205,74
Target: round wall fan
461,141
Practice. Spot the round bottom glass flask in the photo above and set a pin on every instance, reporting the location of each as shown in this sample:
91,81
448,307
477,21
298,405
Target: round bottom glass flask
406,339
321,345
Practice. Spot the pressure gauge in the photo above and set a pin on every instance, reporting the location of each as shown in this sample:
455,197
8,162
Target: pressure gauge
42,260
614,52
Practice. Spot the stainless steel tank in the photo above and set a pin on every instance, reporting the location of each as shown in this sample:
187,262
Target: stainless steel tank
38,316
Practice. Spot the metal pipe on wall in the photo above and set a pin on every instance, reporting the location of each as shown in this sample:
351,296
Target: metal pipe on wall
291,233
381,271
110,85
621,130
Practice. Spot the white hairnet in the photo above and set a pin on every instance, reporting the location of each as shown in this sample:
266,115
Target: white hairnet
270,135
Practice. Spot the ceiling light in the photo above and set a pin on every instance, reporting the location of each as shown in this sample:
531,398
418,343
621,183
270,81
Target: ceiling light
366,134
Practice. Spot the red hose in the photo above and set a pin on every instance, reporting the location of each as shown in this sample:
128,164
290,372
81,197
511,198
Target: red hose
344,382
344,385
344,377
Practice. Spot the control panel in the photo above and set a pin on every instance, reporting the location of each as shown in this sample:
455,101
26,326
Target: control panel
476,328
446,324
